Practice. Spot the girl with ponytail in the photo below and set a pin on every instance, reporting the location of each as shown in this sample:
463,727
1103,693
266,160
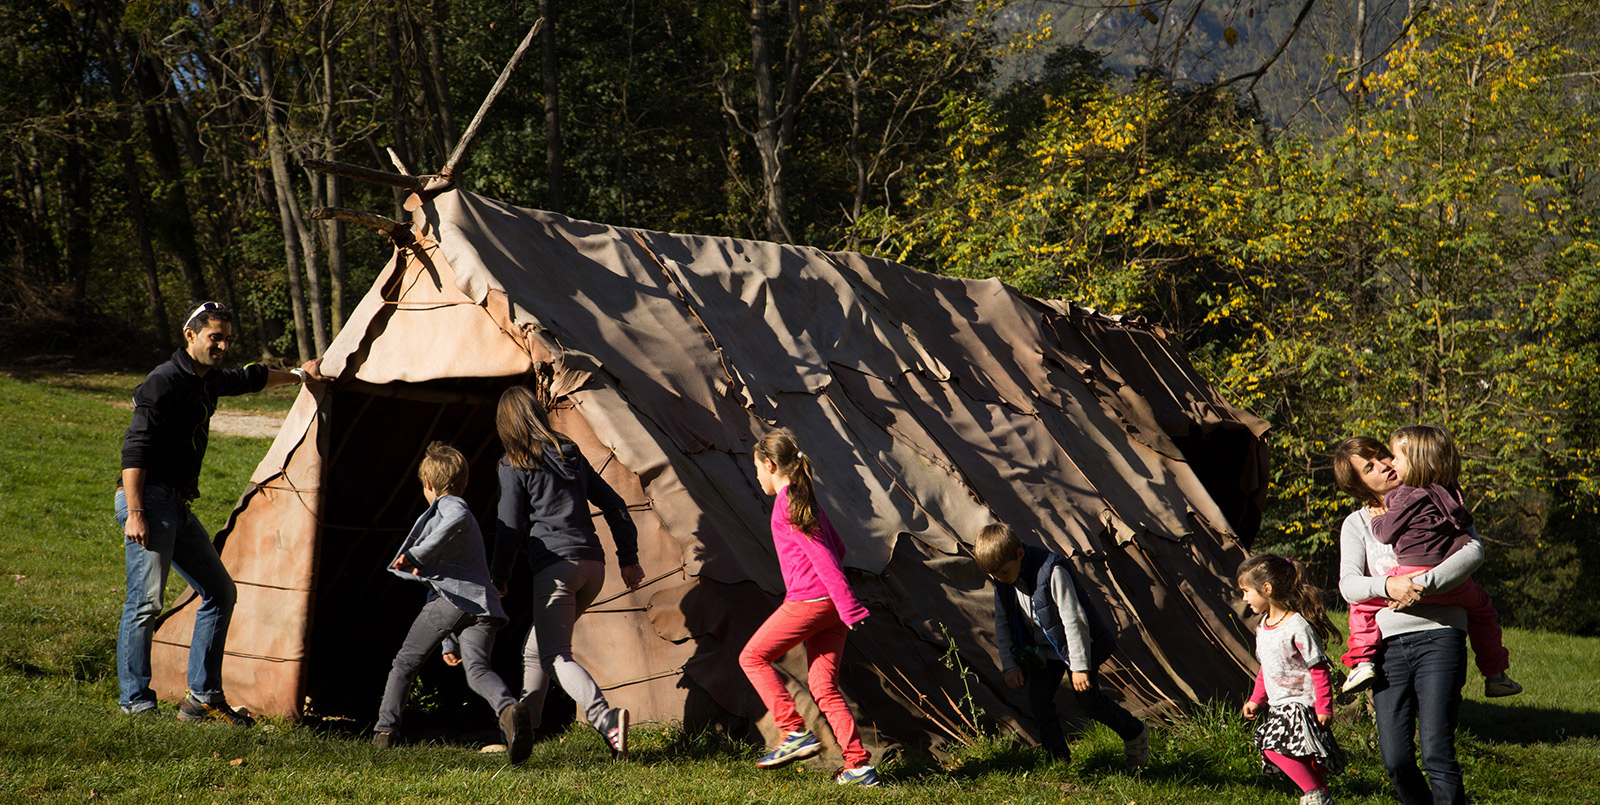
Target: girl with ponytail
1294,683
818,610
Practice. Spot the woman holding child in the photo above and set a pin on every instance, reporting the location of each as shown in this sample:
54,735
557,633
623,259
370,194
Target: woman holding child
546,486
1422,661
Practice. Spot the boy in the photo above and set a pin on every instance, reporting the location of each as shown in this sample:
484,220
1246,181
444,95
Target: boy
1045,628
445,549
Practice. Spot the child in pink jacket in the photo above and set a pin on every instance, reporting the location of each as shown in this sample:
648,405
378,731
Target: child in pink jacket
818,609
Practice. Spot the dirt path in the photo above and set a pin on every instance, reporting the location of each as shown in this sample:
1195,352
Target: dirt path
259,426
234,423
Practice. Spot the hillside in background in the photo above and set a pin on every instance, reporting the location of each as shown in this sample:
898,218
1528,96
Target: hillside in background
1186,40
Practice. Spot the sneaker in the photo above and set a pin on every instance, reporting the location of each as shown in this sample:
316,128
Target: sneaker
1360,678
794,746
514,730
193,709
1136,750
863,776
1501,685
1318,796
145,710
613,729
383,740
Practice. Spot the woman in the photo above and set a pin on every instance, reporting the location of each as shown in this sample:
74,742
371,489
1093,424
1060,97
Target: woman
546,486
1423,657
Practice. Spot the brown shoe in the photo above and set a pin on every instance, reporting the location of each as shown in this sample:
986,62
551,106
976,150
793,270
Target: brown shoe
514,729
193,709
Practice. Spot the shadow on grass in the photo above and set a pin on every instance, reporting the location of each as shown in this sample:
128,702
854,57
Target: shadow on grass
463,727
713,742
62,375
1523,725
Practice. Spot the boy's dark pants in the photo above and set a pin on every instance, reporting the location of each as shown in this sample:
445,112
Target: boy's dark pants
1042,684
437,619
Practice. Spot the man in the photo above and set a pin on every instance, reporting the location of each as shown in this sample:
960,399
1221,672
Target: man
161,455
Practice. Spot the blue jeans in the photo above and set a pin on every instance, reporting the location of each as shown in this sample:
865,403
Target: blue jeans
175,539
1418,689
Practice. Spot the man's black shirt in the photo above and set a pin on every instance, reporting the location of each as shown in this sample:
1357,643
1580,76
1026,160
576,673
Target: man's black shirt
172,420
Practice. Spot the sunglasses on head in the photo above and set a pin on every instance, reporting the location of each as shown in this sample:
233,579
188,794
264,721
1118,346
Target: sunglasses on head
204,307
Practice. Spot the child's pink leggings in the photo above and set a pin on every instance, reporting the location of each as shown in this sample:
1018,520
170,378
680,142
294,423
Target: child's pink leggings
1304,771
817,624
1483,625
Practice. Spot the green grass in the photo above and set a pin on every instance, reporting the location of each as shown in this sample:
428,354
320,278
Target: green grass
62,738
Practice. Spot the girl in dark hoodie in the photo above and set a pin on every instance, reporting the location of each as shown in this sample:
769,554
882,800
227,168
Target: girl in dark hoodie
546,486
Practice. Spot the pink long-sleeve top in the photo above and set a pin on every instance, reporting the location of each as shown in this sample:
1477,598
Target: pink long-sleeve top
812,566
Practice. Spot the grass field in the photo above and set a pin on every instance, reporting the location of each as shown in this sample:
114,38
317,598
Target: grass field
63,739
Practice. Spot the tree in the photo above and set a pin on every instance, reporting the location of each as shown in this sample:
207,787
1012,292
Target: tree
1431,262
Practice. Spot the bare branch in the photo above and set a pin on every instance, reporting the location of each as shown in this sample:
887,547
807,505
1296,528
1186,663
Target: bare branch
1256,74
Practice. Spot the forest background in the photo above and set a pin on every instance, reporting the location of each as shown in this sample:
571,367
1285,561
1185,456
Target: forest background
1354,214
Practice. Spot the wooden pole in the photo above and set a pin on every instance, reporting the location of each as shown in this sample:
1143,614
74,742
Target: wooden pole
399,164
394,230
449,171
349,171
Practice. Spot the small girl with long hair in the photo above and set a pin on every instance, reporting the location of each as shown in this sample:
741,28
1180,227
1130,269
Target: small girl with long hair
1425,520
546,486
1295,683
818,609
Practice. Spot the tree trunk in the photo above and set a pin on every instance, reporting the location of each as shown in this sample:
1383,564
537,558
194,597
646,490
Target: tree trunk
433,91
556,202
399,111
141,230
857,159
316,302
278,156
441,87
78,239
176,217
333,234
769,133
332,231
1359,55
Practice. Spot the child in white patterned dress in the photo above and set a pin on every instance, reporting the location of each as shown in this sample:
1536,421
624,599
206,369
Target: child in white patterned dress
1295,686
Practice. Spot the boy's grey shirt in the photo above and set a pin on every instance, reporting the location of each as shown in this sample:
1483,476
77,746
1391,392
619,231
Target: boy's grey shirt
1073,621
447,548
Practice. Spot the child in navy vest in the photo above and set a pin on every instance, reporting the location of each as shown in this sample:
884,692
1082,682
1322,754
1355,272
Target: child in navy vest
1046,628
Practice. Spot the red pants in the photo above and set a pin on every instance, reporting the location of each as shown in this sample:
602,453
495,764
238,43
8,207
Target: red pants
1483,625
817,624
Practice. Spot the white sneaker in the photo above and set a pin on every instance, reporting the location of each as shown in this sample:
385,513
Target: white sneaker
1500,685
1360,678
1319,796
